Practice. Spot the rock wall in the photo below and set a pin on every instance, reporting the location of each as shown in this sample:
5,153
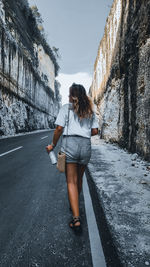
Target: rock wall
121,80
28,67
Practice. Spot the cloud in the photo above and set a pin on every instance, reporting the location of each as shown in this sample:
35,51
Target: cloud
66,80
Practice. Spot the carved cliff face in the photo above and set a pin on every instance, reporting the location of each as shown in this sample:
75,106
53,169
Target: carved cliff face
27,72
46,68
106,50
121,78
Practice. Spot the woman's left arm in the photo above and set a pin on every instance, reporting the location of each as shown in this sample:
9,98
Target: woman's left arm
94,131
57,133
95,125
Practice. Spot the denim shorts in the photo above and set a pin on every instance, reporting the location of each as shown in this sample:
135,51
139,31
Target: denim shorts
77,149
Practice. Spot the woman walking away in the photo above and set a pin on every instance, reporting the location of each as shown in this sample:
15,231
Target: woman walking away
77,122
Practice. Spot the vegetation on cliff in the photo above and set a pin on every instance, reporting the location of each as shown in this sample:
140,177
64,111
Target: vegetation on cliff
30,19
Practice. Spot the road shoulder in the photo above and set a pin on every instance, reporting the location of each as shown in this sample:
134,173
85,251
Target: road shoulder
119,184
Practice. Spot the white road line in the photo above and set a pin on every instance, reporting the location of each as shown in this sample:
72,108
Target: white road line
98,258
44,137
27,133
10,151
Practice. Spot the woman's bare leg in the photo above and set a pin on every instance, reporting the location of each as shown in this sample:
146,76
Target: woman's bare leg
81,170
72,186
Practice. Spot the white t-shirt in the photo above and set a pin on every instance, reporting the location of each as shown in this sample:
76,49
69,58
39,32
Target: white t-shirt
76,126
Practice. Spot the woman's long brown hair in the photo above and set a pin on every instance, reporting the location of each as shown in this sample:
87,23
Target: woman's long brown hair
82,105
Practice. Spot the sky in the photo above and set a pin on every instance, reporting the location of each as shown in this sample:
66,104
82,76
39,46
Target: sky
76,28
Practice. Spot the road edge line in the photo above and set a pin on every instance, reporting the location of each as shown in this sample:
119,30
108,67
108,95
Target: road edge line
97,253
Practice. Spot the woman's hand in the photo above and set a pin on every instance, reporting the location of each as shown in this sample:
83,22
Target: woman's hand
49,148
94,131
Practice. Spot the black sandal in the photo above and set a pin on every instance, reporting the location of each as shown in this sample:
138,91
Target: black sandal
73,222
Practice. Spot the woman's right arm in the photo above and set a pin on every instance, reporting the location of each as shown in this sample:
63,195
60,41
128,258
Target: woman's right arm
57,133
60,122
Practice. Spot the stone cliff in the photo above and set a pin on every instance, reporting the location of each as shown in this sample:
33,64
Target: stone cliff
121,80
29,93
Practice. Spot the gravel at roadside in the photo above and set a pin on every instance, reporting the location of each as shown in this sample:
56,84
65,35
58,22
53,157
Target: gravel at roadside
122,183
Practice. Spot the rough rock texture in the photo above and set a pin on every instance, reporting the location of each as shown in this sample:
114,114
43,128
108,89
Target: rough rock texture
120,183
28,97
121,78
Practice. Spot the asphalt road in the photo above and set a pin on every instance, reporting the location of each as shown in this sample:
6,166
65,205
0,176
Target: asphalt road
34,210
